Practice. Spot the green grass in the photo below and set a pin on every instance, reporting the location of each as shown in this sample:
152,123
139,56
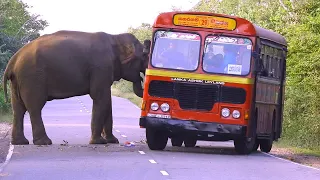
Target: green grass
124,89
284,143
6,118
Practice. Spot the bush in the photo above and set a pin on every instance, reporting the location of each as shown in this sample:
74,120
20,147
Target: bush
124,89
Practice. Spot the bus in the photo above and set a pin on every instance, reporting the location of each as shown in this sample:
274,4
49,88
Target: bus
213,77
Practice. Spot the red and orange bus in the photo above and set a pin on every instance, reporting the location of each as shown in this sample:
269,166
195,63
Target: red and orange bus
213,77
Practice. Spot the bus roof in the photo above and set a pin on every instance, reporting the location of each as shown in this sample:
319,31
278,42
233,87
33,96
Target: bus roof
236,25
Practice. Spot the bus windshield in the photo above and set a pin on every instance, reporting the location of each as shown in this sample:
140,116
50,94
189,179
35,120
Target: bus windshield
176,50
227,55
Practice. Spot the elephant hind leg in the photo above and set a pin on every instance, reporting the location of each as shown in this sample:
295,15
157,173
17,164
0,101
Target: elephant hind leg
19,111
35,98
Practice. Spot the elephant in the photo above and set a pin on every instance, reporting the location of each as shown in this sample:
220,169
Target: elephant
66,64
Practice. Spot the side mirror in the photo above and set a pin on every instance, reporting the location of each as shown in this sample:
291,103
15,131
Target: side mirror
147,45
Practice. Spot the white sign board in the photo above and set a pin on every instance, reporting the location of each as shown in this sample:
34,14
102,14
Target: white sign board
234,69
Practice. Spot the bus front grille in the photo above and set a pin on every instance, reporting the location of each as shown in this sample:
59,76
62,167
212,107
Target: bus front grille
197,96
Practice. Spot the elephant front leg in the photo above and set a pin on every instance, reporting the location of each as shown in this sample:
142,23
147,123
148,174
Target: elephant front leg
107,127
100,112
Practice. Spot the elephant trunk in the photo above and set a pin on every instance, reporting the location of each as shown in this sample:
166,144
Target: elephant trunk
138,89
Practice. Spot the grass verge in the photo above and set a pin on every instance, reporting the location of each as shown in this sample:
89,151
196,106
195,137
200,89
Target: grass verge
296,150
127,95
6,118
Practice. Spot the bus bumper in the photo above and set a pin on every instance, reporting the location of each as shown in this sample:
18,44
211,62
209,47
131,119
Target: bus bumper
174,126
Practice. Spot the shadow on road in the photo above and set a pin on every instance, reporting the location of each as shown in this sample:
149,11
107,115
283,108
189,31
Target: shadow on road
224,148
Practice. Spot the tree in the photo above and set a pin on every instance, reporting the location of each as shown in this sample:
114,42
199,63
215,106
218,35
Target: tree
144,31
18,26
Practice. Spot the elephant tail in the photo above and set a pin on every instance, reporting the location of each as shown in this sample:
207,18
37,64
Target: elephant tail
7,76
5,79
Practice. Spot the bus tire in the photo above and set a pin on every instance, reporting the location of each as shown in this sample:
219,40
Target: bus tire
156,139
266,144
190,142
256,146
243,146
176,141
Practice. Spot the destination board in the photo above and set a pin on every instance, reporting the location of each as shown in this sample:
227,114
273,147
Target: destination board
204,21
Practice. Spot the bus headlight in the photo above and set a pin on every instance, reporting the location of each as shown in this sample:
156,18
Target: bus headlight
165,107
154,106
225,112
236,114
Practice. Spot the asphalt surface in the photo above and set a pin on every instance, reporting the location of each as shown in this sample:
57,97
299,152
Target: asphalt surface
70,157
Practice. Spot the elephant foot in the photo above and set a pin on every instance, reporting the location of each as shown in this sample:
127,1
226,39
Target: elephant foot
20,141
98,140
42,141
112,139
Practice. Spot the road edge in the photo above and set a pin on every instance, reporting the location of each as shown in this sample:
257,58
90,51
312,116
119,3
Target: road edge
9,155
276,157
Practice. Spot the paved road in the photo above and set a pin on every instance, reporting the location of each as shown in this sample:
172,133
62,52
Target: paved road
68,121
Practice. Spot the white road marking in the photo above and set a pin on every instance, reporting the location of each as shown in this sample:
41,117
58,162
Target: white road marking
290,161
141,152
152,161
8,157
117,131
164,173
123,135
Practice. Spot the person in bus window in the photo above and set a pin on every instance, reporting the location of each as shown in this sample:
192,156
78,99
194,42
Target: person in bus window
214,63
173,58
230,56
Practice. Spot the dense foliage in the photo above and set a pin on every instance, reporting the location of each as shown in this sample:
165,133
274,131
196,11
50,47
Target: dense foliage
17,27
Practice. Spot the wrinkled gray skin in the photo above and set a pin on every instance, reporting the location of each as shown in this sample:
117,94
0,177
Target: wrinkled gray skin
69,63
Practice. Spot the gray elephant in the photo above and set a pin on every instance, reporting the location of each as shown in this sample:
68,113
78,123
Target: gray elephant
70,63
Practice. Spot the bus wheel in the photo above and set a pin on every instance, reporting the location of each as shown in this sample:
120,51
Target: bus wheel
190,142
266,144
243,146
176,141
156,139
256,146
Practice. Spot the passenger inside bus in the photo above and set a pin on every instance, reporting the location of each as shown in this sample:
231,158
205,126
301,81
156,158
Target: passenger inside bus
172,57
219,56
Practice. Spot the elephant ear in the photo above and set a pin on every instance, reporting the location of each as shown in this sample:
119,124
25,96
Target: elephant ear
126,51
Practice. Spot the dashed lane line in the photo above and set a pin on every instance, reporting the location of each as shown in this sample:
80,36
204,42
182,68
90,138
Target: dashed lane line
164,173
141,152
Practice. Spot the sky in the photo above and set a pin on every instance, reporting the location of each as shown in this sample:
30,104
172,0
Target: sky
110,16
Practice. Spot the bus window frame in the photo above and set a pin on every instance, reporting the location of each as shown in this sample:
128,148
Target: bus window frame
174,30
280,47
228,35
